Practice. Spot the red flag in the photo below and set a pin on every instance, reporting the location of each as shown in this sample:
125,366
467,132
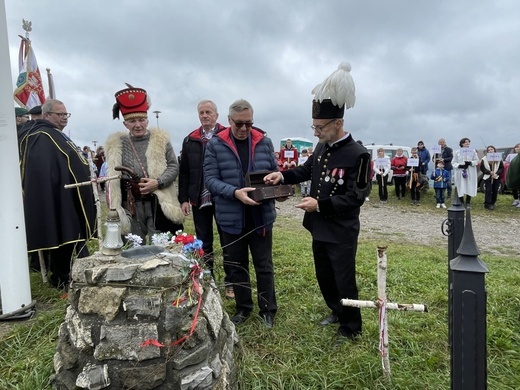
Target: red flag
29,86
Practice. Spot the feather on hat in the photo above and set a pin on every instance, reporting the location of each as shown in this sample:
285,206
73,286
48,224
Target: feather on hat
335,94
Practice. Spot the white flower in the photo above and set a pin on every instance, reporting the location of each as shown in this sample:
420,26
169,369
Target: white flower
134,239
161,238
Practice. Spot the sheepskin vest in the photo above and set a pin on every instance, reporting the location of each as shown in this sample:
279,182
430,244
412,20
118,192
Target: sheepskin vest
156,164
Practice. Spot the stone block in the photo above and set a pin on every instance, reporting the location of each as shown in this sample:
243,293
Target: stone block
120,273
196,355
143,306
199,379
93,377
212,309
104,301
123,342
152,264
143,377
178,316
80,333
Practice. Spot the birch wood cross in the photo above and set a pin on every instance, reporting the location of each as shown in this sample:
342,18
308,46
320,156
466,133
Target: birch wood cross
382,304
94,180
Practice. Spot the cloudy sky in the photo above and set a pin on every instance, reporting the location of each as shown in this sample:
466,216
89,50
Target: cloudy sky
423,69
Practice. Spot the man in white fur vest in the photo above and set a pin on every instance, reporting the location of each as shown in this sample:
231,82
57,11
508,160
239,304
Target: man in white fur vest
147,203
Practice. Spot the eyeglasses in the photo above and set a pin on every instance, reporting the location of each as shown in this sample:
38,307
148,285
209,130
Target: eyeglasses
240,124
319,128
61,114
26,116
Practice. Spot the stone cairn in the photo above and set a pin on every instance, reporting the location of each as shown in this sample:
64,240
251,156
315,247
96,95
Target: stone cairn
138,321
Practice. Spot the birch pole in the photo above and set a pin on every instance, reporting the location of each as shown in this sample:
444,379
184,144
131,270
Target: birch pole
383,305
383,322
93,179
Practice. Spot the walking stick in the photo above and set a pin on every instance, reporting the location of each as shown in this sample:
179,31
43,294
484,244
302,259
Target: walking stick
43,267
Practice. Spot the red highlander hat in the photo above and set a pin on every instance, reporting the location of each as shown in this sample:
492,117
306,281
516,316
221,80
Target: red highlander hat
132,102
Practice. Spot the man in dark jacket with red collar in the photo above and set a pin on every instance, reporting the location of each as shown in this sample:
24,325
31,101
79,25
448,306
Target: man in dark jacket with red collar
192,190
246,224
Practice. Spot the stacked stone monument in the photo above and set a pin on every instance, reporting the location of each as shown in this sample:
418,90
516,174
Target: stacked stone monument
138,321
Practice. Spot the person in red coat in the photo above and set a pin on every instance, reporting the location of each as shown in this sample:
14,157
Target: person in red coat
289,155
398,164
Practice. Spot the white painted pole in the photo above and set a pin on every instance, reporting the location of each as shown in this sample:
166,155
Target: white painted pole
15,285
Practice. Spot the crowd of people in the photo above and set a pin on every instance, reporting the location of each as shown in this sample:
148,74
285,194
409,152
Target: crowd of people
462,167
157,191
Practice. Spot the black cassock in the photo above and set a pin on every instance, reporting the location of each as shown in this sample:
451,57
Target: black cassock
54,216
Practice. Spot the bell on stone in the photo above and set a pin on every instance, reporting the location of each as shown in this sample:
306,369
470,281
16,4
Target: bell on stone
113,243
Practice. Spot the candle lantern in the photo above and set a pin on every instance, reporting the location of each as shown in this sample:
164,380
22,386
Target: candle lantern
113,243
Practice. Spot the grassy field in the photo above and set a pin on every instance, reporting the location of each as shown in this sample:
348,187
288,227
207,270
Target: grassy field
299,354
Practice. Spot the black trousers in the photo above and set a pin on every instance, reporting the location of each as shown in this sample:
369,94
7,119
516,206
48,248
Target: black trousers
335,266
400,186
61,260
203,220
383,187
237,257
415,192
491,194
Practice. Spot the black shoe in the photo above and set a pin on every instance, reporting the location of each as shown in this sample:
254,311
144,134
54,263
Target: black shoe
332,319
491,207
268,320
347,333
240,317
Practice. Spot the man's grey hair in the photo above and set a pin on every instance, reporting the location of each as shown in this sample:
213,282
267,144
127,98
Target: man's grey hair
205,101
239,106
49,104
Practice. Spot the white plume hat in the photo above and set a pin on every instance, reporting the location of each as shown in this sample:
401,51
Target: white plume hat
335,94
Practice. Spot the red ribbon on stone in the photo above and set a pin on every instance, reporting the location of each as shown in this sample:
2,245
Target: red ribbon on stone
194,276
151,342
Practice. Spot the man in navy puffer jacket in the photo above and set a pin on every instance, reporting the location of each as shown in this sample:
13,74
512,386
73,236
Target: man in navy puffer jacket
245,224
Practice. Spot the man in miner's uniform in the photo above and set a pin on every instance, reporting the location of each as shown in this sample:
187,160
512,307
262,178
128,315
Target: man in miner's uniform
340,170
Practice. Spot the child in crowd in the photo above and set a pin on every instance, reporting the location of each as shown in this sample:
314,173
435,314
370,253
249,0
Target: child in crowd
414,183
440,177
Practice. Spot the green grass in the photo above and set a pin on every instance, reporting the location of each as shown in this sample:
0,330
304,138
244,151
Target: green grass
297,353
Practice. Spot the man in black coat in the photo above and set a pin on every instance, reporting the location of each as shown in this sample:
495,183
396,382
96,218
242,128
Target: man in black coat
339,170
192,191
57,219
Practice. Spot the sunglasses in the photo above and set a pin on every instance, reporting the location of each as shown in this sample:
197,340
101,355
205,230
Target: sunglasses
239,125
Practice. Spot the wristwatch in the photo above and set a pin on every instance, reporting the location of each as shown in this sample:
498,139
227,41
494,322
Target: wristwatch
161,184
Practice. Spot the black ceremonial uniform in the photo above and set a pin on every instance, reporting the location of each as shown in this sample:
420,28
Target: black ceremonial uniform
56,219
340,176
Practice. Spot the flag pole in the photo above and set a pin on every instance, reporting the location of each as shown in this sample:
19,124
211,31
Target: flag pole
14,278
50,81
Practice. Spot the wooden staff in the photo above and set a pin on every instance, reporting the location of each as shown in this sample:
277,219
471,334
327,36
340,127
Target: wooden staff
411,178
43,267
90,182
383,178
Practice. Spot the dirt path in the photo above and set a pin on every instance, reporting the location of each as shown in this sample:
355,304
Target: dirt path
398,223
